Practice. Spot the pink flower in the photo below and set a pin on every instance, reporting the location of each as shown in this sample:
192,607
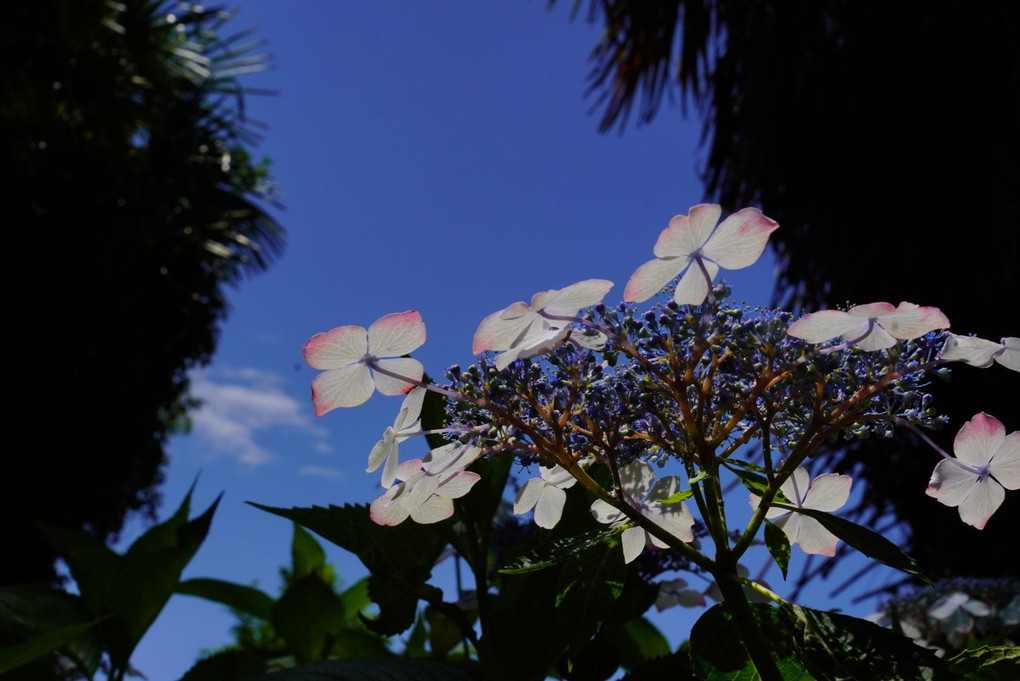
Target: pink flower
351,357
522,331
875,326
828,492
987,463
692,239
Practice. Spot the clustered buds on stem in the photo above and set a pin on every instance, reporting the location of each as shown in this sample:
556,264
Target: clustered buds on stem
694,382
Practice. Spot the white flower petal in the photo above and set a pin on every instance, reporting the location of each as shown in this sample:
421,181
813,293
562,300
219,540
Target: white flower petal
396,334
977,352
527,496
652,277
809,534
568,301
828,492
1010,357
433,510
740,240
985,497
605,512
818,327
693,286
979,439
404,366
687,233
550,506
950,483
347,386
337,348
633,540
1005,465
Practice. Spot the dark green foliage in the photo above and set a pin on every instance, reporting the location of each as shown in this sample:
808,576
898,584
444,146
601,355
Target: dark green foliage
133,202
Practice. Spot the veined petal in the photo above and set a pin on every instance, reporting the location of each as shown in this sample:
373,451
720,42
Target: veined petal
637,478
389,473
809,534
457,485
568,301
872,310
675,519
693,286
1010,357
396,334
950,483
740,240
410,411
977,352
687,233
557,476
433,510
347,386
541,342
497,332
652,277
633,540
550,506
527,496
828,492
1005,464
979,439
381,451
984,499
796,486
877,339
405,366
818,327
337,348
911,321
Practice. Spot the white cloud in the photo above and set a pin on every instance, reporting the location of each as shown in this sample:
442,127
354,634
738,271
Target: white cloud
244,404
322,472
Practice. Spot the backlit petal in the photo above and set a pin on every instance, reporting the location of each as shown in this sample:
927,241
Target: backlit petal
433,510
568,301
405,366
496,332
828,492
348,386
527,496
1005,465
949,483
985,497
977,352
337,348
550,507
1010,357
740,240
633,540
693,286
911,321
687,233
396,334
979,439
826,325
809,534
652,277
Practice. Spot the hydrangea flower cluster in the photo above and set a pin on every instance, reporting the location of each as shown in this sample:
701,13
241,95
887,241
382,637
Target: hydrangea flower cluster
606,395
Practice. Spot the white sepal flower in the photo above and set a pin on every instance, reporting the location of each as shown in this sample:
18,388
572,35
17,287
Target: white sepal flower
689,239
875,326
981,353
350,353
828,492
645,493
404,426
422,497
987,463
956,612
546,495
672,593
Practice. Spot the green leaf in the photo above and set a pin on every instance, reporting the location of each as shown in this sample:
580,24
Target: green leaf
559,550
306,554
991,663
355,598
589,586
433,416
41,644
719,655
30,609
229,665
682,495
870,543
778,545
400,558
637,641
246,599
757,484
372,670
837,647
307,615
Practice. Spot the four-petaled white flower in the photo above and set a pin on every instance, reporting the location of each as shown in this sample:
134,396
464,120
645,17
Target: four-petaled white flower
404,426
978,352
673,593
644,493
692,239
956,611
987,461
351,356
522,331
875,326
828,492
422,497
546,495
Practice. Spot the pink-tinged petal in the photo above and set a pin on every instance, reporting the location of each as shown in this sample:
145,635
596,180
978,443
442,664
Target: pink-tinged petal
979,439
984,499
404,366
391,508
872,310
1010,357
348,386
950,483
687,233
457,485
818,327
433,510
337,348
828,492
809,534
633,540
911,321
693,286
497,332
396,334
1005,465
568,301
527,496
550,507
652,277
740,240
977,352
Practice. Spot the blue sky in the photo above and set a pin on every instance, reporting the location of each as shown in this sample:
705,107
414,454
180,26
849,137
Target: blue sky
434,156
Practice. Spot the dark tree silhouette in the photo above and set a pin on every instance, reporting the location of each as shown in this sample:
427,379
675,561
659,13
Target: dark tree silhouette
884,138
132,201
